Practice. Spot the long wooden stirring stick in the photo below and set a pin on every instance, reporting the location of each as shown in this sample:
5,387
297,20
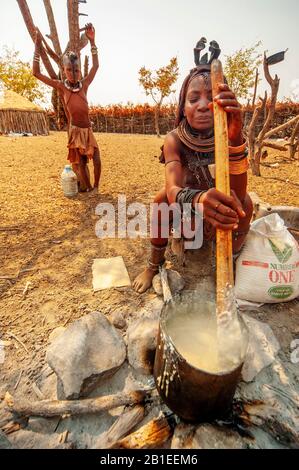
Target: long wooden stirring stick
224,258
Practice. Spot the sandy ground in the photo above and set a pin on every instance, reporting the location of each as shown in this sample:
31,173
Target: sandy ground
55,243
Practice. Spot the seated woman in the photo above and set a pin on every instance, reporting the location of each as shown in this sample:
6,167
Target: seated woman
188,152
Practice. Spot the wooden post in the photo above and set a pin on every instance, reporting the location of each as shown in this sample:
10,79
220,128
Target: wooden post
86,66
224,261
73,18
53,29
255,86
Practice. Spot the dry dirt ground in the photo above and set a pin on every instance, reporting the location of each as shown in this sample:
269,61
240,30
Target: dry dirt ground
54,243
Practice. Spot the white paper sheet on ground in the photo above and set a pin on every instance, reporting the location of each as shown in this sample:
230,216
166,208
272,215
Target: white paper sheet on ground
109,272
262,348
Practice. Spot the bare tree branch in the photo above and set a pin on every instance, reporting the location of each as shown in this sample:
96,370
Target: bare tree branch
53,28
51,53
287,124
274,84
258,110
31,29
255,86
256,144
73,18
274,145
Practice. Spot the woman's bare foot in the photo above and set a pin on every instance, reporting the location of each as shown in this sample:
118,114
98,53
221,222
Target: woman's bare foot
144,280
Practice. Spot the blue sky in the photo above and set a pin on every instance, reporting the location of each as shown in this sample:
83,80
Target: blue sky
133,33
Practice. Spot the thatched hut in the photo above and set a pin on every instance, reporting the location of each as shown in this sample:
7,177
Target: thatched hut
19,115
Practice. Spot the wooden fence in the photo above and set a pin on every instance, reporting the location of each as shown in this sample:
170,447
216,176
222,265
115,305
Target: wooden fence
284,112
144,123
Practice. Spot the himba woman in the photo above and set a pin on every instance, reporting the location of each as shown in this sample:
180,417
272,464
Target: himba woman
188,153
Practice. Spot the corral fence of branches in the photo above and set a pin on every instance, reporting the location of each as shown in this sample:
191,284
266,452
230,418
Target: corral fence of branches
140,119
131,125
283,113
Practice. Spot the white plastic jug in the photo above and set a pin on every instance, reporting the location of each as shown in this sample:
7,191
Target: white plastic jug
69,182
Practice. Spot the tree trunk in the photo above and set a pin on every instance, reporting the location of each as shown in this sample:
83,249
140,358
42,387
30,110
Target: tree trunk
75,44
60,111
274,84
157,115
53,29
251,132
86,66
256,162
57,102
31,29
73,18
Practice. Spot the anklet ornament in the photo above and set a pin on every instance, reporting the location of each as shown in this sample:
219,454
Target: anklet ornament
155,266
159,248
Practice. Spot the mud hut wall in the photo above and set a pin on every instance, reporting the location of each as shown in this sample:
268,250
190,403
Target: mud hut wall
23,121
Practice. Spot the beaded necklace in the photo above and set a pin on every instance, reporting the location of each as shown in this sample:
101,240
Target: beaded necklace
74,88
194,140
202,155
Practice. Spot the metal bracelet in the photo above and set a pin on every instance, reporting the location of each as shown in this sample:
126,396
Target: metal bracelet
185,196
238,156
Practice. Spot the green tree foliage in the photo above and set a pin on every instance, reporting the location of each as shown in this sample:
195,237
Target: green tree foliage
16,75
240,70
158,84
